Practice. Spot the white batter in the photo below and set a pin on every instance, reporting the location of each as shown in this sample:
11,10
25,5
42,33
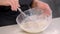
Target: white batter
33,24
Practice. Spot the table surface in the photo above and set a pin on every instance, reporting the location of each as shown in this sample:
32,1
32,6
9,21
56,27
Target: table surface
54,28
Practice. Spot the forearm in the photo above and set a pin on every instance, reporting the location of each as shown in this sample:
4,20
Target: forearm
3,2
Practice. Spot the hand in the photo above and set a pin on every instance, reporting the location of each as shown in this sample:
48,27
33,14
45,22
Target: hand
13,3
43,6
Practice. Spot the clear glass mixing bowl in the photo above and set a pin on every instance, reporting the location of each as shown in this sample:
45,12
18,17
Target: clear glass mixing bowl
35,21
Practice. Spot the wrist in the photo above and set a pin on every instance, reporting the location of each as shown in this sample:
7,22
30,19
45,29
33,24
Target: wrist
34,2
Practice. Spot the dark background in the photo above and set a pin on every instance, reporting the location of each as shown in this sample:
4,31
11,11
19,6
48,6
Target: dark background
8,17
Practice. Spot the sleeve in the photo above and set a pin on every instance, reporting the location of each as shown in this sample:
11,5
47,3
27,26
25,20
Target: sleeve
25,4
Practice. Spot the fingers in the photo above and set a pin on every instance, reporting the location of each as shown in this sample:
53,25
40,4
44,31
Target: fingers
43,6
14,4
